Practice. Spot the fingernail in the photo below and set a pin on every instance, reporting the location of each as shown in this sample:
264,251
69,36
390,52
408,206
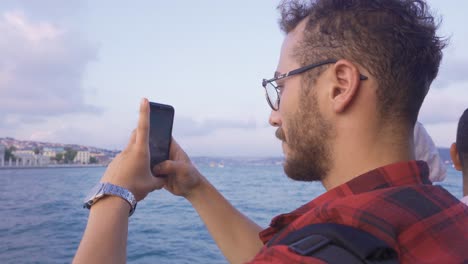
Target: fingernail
143,100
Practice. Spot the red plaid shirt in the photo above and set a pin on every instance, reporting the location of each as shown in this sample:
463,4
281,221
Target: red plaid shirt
397,203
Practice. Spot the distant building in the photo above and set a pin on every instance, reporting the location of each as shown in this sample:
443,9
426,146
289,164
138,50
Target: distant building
52,152
19,152
42,160
101,158
26,159
2,155
82,157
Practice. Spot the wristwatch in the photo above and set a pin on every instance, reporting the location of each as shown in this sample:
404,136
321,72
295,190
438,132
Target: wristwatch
104,188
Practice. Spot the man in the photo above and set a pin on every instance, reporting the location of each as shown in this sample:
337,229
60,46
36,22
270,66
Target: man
351,78
459,152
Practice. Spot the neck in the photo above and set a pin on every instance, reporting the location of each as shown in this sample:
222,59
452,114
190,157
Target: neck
358,152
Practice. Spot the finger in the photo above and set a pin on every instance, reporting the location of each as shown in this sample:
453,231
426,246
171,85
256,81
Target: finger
142,134
175,147
132,139
165,168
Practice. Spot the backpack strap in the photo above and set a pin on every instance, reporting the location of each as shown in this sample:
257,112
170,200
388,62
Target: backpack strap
335,243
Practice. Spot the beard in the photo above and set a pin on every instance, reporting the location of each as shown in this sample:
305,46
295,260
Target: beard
308,139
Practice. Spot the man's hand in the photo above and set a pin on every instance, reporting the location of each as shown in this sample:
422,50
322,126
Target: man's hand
131,168
105,237
182,176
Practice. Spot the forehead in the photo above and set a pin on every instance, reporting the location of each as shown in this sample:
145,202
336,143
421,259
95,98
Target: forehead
287,60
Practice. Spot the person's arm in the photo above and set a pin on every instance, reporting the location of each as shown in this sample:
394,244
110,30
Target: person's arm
235,234
105,237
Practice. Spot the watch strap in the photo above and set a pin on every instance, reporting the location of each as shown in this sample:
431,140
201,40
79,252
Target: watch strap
113,190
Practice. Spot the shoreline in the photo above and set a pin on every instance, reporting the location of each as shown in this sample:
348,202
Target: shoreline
65,166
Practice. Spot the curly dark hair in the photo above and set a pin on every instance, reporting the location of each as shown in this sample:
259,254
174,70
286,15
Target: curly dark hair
395,40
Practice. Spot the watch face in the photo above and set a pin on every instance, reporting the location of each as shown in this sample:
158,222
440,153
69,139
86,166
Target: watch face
94,191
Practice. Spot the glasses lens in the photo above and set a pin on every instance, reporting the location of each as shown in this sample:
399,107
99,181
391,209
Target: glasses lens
272,96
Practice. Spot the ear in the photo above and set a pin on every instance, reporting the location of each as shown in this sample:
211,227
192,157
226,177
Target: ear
346,86
455,157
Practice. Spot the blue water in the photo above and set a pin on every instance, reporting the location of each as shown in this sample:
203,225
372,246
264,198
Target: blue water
42,219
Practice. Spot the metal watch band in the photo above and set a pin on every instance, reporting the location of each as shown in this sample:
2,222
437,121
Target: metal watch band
113,190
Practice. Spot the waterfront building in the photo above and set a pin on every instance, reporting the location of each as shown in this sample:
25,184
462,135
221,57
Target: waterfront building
28,151
52,152
31,160
24,159
101,158
82,157
104,160
42,160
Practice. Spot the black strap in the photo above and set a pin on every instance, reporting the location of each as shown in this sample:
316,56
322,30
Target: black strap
335,243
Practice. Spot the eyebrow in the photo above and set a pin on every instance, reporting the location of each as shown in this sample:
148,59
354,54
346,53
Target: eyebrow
276,74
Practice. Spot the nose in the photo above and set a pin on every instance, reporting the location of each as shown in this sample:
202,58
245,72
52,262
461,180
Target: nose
275,118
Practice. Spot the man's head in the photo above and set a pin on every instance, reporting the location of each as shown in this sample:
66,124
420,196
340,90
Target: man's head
459,150
391,41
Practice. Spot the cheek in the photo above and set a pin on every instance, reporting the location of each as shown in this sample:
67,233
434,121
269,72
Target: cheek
291,94
291,134
285,99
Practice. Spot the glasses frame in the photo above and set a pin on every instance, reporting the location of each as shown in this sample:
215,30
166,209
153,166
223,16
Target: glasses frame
300,70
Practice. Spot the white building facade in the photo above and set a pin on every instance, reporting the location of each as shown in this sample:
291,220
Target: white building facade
82,157
25,159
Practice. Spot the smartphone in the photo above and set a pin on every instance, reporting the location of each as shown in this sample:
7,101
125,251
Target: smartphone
160,132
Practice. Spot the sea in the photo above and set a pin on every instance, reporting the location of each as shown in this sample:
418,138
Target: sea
42,218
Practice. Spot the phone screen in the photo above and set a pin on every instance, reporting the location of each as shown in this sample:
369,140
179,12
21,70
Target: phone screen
160,134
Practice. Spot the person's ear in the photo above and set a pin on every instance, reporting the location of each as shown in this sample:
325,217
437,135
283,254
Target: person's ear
346,86
455,157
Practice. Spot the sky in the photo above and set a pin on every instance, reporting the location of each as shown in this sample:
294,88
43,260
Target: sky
75,71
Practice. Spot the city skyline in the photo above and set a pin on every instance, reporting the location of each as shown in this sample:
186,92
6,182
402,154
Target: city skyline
75,71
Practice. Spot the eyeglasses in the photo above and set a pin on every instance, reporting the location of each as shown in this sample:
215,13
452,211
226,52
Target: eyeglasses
273,92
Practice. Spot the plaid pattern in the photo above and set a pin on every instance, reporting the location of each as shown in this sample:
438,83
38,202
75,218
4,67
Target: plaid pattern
397,203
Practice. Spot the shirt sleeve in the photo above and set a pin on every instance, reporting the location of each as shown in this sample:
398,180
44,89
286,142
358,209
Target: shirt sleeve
425,149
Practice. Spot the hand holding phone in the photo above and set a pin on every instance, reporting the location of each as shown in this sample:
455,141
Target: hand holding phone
160,132
129,169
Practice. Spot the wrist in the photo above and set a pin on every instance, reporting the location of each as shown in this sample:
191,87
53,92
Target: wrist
104,189
198,191
112,203
129,185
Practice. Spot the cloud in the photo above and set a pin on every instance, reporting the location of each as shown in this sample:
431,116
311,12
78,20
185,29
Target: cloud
445,104
260,141
41,69
448,96
452,70
73,129
188,127
42,9
200,138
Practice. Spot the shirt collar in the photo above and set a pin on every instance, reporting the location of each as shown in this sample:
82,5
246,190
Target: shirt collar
392,175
